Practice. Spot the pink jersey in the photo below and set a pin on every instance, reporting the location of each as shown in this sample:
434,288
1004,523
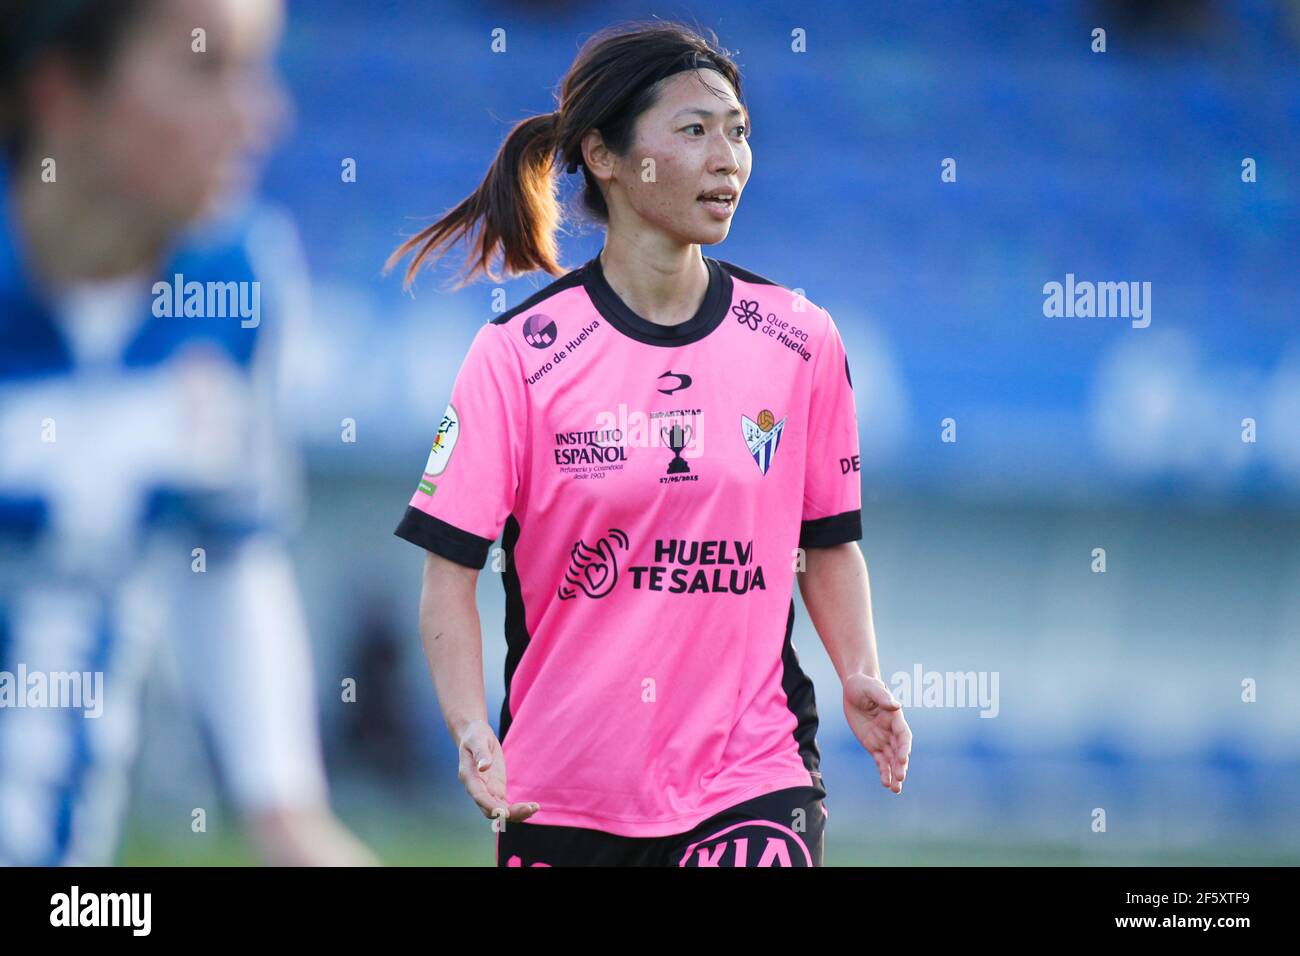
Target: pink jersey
655,484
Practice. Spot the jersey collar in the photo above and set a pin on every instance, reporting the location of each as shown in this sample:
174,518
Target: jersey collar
712,310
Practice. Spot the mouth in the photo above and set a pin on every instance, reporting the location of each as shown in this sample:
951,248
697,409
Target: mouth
720,201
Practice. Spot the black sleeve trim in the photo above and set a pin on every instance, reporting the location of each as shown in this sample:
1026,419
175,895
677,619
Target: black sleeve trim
831,530
448,541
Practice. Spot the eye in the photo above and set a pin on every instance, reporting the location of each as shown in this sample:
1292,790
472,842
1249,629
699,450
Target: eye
699,126
744,130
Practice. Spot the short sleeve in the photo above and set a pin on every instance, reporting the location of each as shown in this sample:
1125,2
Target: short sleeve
832,498
472,475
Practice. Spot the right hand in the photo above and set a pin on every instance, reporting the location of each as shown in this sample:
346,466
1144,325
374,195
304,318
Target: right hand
483,772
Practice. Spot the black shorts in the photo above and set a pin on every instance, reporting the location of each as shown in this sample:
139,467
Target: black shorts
782,828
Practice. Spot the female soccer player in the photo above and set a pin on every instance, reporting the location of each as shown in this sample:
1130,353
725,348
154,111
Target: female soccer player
666,440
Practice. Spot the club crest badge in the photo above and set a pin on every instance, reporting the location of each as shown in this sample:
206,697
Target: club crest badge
762,437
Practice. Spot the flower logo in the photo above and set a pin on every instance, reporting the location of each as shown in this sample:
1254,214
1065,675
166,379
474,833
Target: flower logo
747,314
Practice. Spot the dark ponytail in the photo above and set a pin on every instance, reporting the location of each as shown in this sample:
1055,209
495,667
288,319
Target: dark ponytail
515,210
515,203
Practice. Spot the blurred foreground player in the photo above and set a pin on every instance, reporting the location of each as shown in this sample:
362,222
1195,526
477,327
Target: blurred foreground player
142,488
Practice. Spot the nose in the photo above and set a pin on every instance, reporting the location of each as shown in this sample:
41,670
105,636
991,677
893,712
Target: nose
277,106
262,107
723,156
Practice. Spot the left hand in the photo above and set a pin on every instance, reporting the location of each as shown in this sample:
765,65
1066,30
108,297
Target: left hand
876,719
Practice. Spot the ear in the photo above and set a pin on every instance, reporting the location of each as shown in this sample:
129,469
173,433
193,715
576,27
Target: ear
598,157
53,95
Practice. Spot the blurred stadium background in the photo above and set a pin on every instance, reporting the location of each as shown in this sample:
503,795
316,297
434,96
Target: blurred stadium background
1120,690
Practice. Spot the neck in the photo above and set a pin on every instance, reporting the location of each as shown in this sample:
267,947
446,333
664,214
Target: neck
73,231
661,282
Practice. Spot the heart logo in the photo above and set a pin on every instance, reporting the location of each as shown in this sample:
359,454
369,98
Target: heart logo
596,575
593,570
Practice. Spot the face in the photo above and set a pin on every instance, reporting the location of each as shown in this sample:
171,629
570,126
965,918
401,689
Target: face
173,127
692,142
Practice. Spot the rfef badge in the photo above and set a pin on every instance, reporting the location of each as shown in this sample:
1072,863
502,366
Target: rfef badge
443,443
